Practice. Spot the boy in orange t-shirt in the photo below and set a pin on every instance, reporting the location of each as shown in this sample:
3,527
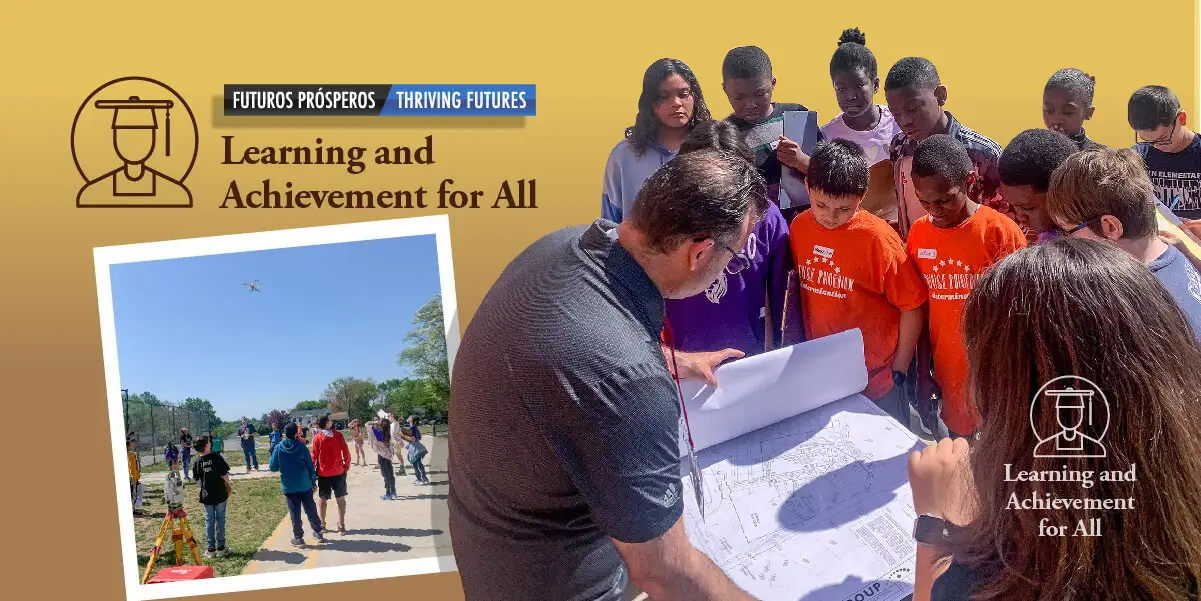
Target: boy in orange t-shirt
855,273
951,246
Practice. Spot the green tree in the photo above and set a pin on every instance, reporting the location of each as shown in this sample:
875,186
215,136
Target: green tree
146,398
426,354
352,395
226,429
404,396
201,407
309,405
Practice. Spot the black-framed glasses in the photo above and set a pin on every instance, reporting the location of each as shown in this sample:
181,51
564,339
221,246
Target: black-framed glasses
1080,226
738,263
1160,140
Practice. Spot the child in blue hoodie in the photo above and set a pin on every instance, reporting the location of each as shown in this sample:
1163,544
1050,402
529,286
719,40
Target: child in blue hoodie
275,437
298,477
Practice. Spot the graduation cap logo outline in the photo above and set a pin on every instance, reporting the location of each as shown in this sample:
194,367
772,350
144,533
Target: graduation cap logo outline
141,131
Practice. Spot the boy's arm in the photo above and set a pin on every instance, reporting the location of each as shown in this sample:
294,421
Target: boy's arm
779,263
273,464
909,333
345,453
311,468
906,290
1173,240
927,387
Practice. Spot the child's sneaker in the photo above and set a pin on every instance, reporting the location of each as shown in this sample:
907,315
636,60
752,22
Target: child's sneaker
299,542
210,554
224,552
320,537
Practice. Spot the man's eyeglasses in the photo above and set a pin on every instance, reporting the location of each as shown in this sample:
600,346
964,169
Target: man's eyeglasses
1160,140
739,263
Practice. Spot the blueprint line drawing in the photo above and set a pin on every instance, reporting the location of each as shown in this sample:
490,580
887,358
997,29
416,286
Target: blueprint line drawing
815,507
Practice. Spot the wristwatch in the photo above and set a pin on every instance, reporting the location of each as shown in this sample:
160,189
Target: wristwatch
898,378
931,530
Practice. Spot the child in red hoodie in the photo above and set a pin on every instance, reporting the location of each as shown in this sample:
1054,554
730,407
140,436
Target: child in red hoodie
332,456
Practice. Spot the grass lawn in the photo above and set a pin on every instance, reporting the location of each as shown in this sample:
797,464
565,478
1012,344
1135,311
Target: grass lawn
233,456
254,509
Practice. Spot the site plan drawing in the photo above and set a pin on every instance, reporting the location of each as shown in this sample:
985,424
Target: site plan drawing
815,507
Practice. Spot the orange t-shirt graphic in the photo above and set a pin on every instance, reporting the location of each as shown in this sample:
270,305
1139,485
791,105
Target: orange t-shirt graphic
951,261
856,276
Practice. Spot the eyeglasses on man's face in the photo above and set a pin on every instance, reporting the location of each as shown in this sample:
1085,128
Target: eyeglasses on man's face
738,263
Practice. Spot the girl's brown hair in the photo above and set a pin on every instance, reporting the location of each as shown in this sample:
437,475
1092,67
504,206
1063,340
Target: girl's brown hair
1087,309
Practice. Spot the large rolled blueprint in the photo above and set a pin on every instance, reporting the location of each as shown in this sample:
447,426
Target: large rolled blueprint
764,389
805,483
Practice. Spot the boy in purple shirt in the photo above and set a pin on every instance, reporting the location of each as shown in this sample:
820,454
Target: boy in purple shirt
731,316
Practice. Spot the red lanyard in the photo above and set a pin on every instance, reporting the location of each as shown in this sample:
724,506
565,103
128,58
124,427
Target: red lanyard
675,375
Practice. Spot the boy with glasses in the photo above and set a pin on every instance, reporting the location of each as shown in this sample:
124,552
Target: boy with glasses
1105,194
1170,151
730,318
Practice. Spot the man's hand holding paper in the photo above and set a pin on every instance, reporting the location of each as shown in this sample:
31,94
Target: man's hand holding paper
700,366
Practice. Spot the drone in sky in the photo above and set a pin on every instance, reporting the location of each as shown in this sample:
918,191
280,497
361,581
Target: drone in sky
252,286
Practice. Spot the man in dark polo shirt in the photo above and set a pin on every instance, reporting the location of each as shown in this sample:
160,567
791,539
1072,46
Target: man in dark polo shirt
565,471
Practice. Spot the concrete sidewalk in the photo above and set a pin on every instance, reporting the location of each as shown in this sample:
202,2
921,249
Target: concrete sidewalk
413,526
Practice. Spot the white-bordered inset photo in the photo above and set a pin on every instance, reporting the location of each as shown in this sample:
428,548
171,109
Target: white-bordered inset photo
278,405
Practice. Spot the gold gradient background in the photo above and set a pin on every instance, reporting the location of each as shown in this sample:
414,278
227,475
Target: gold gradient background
588,69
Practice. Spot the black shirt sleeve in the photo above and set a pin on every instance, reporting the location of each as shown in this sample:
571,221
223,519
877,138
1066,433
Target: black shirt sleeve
956,584
619,441
220,467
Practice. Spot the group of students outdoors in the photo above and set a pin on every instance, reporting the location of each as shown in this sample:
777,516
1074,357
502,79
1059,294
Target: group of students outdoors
976,274
908,207
391,440
303,470
209,470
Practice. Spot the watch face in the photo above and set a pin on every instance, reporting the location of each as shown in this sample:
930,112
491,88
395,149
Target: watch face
930,530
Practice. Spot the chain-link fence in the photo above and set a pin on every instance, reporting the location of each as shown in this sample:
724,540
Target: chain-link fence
153,426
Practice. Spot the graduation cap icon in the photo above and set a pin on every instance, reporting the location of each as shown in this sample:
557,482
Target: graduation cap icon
127,148
135,113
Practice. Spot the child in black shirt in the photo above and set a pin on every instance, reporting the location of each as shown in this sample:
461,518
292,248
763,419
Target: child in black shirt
748,83
1170,150
211,471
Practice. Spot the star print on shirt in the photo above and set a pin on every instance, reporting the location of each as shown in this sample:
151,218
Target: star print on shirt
953,264
949,278
823,276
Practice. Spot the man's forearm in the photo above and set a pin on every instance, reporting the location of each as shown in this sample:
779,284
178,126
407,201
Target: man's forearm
694,577
907,336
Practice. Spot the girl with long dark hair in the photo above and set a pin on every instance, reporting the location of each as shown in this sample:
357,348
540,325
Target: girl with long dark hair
670,105
1030,518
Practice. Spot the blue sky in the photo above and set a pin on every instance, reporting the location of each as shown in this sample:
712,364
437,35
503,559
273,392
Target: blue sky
187,327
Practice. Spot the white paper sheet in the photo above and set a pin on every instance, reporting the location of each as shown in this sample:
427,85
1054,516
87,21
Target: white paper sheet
764,389
816,507
806,489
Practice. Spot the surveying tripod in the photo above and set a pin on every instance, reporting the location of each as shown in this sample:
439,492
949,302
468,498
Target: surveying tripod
177,524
